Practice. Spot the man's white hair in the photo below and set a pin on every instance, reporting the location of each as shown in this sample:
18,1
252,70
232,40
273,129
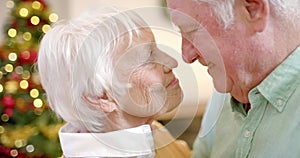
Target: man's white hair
75,60
284,9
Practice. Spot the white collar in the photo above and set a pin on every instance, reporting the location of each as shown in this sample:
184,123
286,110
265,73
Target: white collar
136,141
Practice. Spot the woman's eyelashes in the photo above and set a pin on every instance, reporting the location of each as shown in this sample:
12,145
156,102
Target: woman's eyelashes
150,57
146,56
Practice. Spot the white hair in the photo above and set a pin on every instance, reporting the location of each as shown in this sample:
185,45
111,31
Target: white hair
285,9
75,59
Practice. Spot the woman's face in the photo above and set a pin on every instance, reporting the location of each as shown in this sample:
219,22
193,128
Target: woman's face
153,87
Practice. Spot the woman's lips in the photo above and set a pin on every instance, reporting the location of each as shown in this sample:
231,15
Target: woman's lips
173,83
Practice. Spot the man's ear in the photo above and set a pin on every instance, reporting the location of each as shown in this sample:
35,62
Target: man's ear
103,103
257,12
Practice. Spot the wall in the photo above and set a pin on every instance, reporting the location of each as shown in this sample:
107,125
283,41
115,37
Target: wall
3,15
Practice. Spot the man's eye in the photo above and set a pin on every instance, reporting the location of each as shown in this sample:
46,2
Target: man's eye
192,30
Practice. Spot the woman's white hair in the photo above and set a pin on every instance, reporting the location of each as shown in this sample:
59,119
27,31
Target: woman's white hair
285,9
75,60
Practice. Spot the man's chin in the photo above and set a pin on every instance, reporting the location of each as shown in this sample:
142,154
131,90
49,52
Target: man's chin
221,88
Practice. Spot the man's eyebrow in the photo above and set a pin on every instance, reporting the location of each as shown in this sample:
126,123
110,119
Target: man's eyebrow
187,27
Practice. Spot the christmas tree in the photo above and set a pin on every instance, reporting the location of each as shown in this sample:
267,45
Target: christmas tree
27,127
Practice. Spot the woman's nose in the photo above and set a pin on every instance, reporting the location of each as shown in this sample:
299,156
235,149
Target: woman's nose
169,64
189,53
167,61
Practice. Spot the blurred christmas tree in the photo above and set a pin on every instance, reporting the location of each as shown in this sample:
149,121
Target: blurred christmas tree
28,128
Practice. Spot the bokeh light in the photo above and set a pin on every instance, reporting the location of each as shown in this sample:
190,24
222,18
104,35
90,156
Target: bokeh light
36,5
10,4
24,84
23,12
35,20
9,68
53,17
27,36
38,103
46,28
12,32
34,93
12,56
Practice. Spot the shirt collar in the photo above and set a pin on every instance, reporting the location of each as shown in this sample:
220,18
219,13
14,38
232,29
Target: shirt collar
128,142
237,106
281,83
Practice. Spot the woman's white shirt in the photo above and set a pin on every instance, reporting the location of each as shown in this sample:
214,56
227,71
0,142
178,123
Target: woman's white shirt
132,143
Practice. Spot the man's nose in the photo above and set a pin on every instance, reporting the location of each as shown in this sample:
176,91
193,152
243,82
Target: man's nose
189,53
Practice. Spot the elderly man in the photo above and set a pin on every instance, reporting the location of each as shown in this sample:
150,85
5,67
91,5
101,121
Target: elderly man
251,49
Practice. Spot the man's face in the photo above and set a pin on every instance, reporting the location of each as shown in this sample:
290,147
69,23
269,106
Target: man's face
204,39
154,88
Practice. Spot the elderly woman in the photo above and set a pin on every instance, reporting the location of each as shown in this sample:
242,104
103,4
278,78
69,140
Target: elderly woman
104,75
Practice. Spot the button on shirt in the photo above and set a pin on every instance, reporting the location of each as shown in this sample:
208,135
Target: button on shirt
130,143
271,128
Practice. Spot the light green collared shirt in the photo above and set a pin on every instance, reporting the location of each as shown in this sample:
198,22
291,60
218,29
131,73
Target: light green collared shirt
271,129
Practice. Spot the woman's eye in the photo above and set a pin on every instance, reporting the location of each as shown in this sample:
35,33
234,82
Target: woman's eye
150,58
144,57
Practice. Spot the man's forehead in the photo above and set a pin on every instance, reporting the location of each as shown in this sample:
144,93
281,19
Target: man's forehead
189,13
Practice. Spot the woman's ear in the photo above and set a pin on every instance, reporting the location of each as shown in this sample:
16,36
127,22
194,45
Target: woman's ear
103,103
